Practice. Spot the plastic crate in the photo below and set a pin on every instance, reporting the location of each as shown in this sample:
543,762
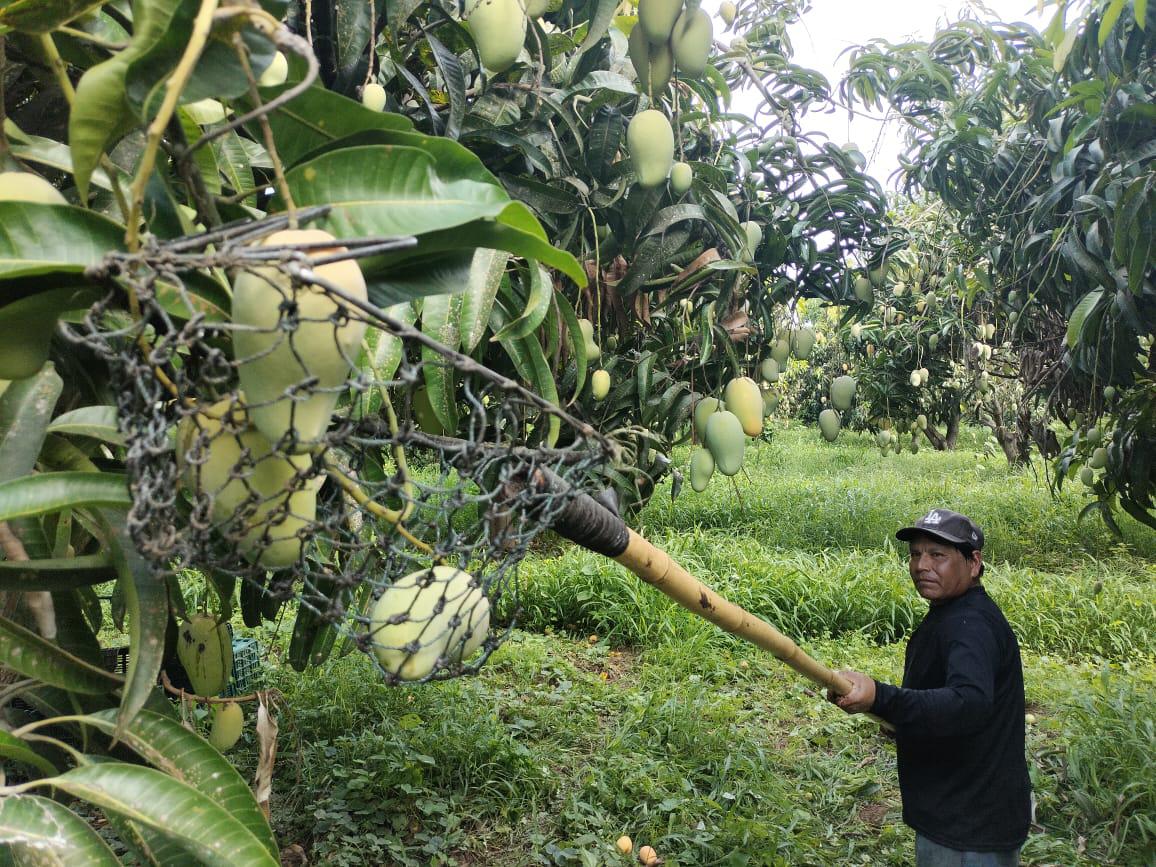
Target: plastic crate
246,666
244,678
114,659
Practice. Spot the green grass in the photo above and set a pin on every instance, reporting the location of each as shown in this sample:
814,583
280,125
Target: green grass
611,710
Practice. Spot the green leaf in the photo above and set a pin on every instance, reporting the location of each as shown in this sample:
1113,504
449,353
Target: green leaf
51,492
100,112
577,342
13,748
454,76
537,305
436,274
171,807
486,272
168,746
599,24
1111,15
516,231
146,599
49,152
42,16
439,320
531,364
25,410
391,190
98,422
318,117
41,831
44,239
62,573
1141,10
27,653
1083,310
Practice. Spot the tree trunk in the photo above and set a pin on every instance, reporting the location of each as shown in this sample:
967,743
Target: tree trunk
953,429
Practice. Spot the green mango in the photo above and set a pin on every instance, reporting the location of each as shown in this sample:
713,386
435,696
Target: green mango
690,42
657,17
726,441
651,141
829,424
701,469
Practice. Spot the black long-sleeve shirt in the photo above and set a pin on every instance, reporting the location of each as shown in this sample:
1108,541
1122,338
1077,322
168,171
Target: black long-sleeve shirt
959,728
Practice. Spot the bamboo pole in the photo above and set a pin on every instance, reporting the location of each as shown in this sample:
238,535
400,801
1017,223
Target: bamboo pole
658,569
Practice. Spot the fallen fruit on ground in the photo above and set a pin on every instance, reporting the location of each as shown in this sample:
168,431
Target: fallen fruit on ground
647,855
651,142
276,353
228,723
624,844
432,615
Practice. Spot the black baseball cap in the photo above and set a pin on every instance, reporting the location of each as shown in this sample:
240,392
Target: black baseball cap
946,525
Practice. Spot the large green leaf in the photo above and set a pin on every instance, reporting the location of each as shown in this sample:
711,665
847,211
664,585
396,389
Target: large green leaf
98,422
1083,310
100,112
42,16
14,749
391,190
42,832
516,231
44,239
318,117
27,653
147,602
218,73
170,807
531,363
440,316
25,410
49,152
486,272
168,746
51,492
436,274
537,304
63,573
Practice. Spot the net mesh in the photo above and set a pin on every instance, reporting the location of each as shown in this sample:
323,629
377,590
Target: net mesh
294,446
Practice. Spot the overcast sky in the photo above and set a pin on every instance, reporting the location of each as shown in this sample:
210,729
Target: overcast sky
833,25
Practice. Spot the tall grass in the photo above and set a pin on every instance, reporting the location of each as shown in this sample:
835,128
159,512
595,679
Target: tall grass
810,595
799,492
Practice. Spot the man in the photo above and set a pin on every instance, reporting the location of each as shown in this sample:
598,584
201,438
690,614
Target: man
959,715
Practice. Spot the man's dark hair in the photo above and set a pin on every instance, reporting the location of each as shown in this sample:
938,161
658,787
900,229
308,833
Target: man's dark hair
967,551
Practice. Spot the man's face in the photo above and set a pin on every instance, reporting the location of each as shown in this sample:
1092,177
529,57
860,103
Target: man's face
939,570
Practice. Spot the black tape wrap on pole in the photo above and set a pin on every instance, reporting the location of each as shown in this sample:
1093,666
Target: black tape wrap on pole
584,520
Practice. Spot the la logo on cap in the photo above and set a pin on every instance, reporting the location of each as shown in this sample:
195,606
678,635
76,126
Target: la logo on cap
932,517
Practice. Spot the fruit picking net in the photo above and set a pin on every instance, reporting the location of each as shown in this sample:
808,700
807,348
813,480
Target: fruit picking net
294,445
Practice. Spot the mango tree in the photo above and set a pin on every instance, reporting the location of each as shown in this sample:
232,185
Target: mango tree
1039,145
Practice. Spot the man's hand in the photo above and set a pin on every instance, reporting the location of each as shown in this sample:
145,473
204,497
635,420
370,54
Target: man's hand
860,698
